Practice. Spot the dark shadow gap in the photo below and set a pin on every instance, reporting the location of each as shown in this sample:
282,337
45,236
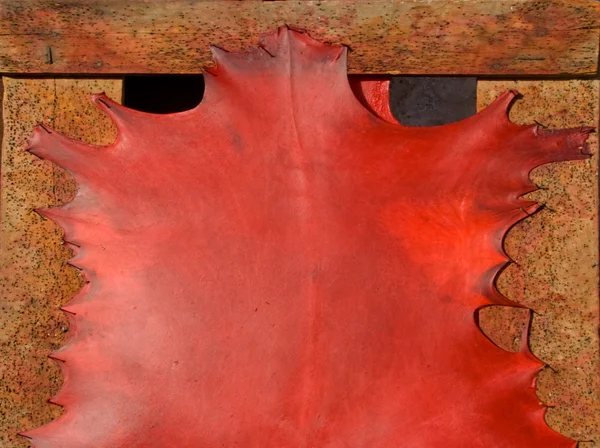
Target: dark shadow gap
163,94
432,101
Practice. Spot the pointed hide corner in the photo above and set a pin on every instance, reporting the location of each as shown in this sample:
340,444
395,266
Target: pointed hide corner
533,145
229,65
306,48
25,435
287,51
281,48
30,437
62,217
55,214
48,144
121,116
558,145
68,310
499,109
44,436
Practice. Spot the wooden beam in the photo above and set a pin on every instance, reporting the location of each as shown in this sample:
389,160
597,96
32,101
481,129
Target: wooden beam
556,254
34,280
483,37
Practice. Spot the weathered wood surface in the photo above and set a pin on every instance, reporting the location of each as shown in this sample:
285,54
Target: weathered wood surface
34,280
491,37
556,269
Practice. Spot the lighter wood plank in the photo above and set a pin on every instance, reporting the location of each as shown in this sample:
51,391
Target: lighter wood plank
486,37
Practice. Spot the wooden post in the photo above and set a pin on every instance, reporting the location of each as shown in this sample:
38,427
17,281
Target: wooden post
481,37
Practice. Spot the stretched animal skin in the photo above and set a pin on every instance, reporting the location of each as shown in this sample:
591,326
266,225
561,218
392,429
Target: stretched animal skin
281,268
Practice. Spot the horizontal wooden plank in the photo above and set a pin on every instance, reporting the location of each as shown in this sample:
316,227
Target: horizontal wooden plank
484,37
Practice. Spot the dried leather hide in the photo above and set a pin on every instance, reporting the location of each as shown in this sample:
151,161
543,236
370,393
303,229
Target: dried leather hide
281,268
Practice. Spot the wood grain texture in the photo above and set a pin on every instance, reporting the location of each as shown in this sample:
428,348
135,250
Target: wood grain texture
556,254
492,37
34,280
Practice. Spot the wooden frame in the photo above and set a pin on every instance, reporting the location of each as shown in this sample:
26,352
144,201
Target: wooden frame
482,37
511,38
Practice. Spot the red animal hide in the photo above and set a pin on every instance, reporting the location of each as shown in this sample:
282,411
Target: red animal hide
281,268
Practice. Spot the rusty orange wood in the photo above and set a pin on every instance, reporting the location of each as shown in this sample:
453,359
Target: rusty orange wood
34,280
556,269
487,37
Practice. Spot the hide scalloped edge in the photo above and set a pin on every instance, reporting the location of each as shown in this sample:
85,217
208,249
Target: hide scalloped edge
281,268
